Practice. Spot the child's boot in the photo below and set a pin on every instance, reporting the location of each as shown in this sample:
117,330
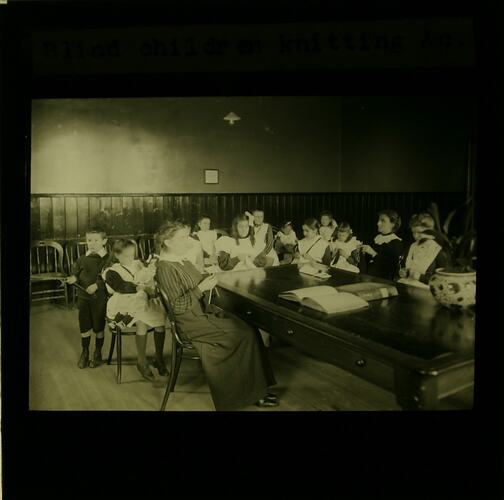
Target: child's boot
84,357
97,355
142,365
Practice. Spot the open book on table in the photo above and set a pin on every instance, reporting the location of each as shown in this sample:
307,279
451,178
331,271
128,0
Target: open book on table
325,298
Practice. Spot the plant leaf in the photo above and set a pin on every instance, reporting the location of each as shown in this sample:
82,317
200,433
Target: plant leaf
434,211
446,225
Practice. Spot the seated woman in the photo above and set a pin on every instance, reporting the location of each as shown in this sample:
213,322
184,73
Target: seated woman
425,254
345,249
242,250
382,257
285,243
207,237
130,283
312,248
232,354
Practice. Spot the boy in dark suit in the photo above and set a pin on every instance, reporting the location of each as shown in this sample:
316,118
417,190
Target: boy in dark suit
92,302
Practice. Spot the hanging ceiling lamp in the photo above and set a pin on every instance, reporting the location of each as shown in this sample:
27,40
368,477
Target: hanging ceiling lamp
231,118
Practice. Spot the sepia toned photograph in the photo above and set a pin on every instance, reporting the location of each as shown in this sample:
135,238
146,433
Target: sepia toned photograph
311,253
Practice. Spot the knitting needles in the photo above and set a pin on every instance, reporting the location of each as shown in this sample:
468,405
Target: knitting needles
83,289
211,290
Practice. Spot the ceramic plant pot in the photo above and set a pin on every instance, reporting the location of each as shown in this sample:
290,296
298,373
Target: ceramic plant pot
452,289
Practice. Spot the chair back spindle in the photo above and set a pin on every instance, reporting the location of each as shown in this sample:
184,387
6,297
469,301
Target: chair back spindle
146,245
46,266
48,252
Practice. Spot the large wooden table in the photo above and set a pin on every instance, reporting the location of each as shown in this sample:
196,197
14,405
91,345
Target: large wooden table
409,345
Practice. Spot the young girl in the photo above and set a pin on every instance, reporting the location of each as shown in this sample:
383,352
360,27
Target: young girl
327,225
242,250
345,249
263,232
130,284
382,257
312,248
425,254
233,357
207,237
285,243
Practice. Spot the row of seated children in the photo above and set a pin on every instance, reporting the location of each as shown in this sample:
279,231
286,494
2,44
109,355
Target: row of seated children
327,243
251,242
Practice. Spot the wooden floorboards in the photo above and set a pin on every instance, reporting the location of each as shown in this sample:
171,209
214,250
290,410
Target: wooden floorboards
304,383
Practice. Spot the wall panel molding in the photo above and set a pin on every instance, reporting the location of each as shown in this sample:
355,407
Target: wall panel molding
66,217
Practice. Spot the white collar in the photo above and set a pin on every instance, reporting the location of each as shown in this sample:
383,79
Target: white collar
102,252
386,238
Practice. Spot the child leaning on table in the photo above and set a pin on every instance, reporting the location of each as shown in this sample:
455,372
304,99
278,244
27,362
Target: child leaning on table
92,295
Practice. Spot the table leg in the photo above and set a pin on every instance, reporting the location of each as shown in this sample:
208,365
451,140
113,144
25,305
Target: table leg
415,391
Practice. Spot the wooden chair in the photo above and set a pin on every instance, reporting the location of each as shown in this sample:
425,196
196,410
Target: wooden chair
117,331
46,264
179,343
147,246
73,250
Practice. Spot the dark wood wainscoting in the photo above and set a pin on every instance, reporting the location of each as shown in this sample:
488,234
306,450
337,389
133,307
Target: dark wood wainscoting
66,217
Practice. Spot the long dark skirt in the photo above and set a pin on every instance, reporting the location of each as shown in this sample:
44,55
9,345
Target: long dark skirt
233,356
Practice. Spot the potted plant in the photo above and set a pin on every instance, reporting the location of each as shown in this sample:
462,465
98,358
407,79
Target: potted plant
455,286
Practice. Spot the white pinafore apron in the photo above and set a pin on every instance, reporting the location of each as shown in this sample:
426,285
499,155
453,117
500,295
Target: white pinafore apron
138,305
244,246
314,248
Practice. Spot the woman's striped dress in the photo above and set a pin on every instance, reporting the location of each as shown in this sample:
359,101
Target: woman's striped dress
232,353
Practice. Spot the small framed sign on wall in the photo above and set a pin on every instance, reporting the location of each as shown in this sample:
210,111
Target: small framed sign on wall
211,176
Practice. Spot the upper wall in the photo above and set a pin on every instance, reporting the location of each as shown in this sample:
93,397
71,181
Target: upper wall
281,144
399,143
163,145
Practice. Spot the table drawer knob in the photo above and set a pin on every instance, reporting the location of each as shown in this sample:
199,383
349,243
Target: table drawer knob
361,362
290,332
248,313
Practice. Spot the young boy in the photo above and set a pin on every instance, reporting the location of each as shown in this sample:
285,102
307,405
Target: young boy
92,303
